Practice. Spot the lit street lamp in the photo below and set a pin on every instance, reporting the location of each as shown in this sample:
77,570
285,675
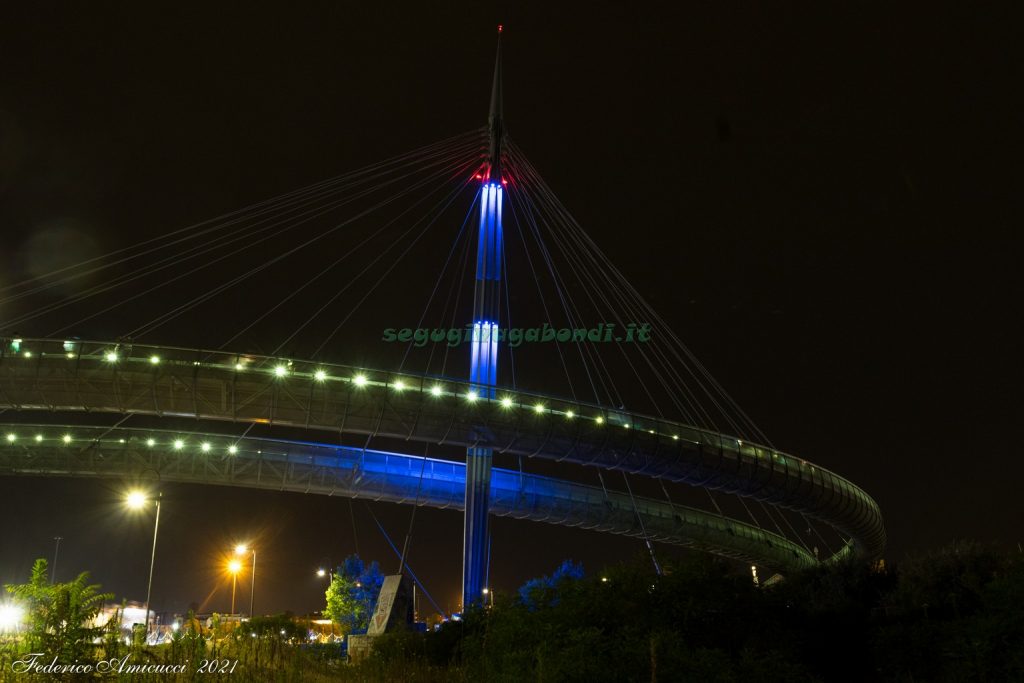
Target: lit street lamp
136,500
234,566
329,573
11,617
242,549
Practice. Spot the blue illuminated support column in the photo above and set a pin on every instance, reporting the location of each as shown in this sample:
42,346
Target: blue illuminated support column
483,369
483,374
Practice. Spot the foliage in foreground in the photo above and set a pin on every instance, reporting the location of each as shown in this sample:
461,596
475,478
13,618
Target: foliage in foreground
60,614
957,615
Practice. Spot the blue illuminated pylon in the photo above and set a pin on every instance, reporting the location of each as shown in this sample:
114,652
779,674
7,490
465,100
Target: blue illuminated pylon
483,372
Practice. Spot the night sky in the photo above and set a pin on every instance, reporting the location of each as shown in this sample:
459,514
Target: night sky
816,197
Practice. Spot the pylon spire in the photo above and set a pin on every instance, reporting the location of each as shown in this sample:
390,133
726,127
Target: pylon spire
495,121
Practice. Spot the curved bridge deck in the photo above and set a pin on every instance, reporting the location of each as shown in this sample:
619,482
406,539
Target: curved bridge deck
304,467
59,377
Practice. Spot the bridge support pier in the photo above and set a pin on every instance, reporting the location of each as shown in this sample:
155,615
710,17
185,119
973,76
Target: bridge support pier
476,525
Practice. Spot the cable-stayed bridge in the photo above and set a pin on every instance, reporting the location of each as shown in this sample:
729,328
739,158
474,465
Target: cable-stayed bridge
292,418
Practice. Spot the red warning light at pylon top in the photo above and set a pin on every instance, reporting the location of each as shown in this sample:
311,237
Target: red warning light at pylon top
484,174
500,27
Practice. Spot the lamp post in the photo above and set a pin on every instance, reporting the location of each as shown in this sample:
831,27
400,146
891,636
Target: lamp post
329,573
56,551
234,566
241,549
136,500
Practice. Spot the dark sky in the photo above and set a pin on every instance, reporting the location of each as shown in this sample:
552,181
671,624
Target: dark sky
821,198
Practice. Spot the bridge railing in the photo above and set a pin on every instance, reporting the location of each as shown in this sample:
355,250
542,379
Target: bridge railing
120,355
59,375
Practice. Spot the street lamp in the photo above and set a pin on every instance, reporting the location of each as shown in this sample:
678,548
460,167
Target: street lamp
136,500
242,549
56,550
11,616
234,566
329,573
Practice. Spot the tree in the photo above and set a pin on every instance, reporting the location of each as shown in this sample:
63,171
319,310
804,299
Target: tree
36,597
61,615
352,595
543,591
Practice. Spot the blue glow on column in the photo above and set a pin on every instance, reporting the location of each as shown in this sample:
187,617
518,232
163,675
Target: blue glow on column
484,352
488,251
483,375
484,357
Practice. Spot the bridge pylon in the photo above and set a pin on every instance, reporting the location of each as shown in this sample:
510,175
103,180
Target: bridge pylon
484,350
